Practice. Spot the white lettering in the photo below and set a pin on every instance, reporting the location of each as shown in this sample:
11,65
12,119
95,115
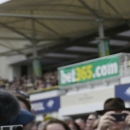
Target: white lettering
67,77
38,106
50,103
105,70
98,71
73,76
112,68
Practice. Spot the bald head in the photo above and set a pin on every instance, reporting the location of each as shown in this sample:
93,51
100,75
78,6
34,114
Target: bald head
81,123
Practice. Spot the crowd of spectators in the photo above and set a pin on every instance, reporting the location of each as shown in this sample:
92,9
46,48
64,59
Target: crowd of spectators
105,119
27,83
114,116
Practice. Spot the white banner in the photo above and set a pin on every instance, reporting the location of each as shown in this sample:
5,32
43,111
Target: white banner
87,98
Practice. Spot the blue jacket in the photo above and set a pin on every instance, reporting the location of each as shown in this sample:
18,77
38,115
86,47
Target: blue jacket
24,117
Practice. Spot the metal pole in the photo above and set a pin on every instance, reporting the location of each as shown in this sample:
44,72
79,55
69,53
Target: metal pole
34,16
101,37
34,50
80,18
101,29
34,35
36,62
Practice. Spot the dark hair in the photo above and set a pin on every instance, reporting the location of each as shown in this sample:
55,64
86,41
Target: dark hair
35,123
52,121
9,106
25,101
76,126
23,94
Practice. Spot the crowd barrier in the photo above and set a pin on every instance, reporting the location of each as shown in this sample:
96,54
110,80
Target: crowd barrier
43,90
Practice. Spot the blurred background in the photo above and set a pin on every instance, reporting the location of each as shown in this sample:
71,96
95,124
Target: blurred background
68,56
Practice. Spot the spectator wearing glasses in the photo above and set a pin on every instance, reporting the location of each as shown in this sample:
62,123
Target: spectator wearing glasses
90,120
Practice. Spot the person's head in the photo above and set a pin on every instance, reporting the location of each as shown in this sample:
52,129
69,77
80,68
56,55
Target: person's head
81,123
24,103
95,124
74,126
32,126
90,120
55,124
67,120
9,107
41,126
117,106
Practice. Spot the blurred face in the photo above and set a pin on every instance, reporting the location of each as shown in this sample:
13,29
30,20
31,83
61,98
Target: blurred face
22,105
90,120
81,124
34,127
55,126
118,125
72,127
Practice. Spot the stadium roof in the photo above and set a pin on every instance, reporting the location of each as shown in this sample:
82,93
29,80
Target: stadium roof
62,30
